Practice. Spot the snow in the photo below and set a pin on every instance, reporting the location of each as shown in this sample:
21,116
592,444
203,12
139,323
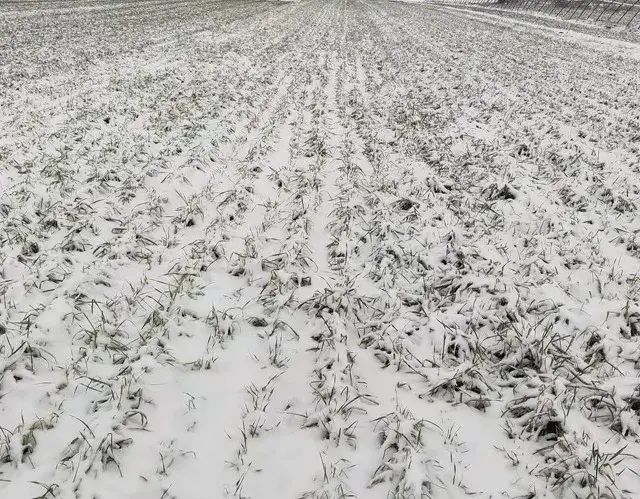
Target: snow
616,48
315,249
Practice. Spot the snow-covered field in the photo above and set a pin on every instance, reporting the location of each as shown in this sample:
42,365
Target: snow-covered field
316,249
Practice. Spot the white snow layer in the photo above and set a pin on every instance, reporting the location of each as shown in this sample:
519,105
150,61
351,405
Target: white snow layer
318,249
